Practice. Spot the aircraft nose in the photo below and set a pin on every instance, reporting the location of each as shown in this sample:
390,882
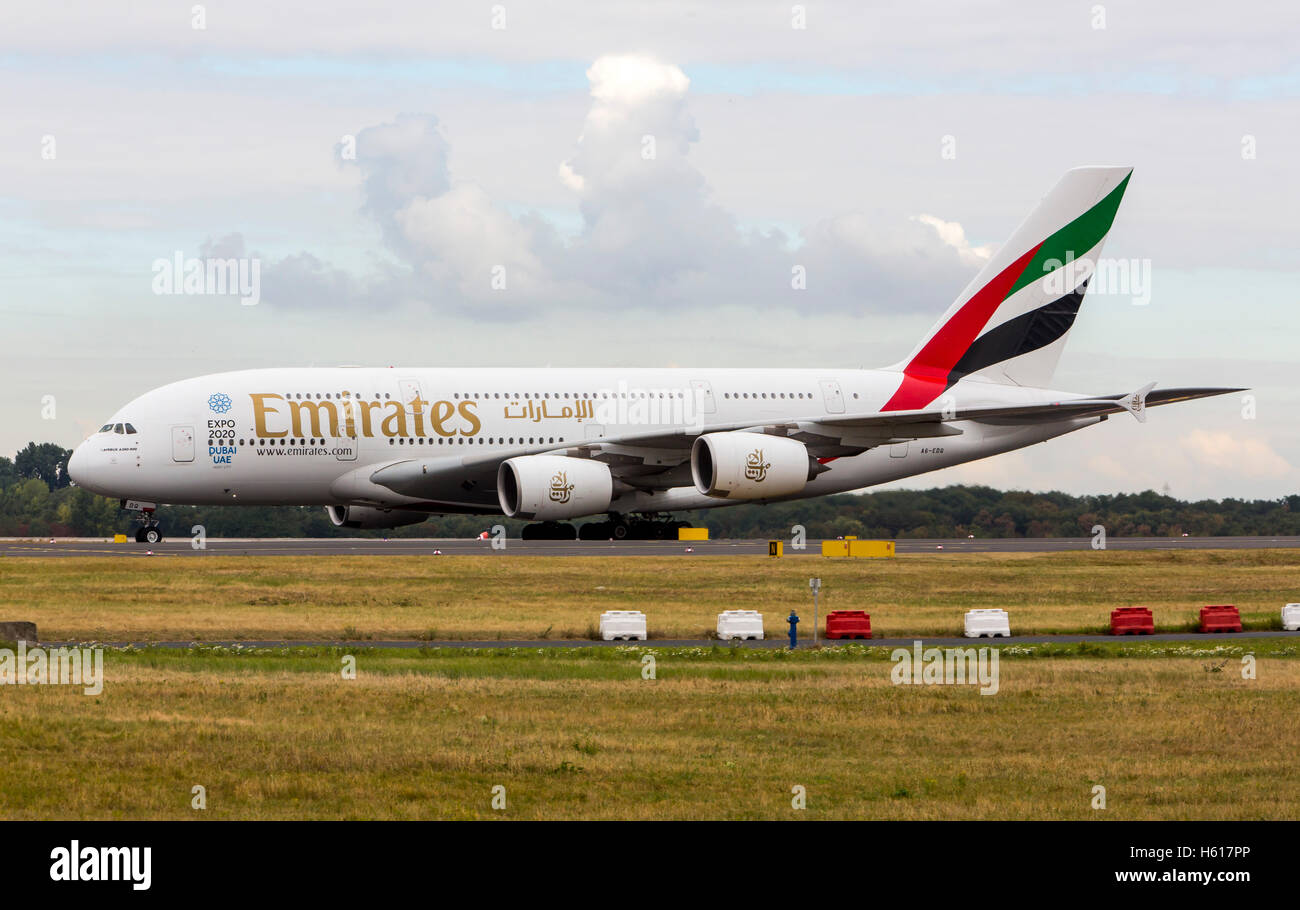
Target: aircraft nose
78,465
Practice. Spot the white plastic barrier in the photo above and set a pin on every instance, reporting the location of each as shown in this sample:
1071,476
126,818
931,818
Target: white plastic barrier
628,625
1291,617
740,624
991,623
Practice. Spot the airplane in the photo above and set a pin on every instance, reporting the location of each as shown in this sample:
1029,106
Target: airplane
385,447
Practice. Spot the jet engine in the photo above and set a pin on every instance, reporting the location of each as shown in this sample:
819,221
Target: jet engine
553,487
750,465
368,517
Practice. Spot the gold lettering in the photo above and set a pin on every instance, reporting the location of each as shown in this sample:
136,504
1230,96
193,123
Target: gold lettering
261,409
366,406
467,411
439,414
297,407
417,410
349,418
397,419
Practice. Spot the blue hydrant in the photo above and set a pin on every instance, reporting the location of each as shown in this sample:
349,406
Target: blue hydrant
793,620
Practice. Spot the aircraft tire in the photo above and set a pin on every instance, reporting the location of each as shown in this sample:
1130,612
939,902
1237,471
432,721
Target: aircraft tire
549,530
596,530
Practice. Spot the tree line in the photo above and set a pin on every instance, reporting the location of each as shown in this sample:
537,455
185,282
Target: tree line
37,500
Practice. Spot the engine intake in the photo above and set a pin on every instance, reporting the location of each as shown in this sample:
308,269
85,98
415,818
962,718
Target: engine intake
750,465
368,517
552,487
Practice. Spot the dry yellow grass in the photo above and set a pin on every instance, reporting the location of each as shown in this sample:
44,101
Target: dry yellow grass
506,596
584,736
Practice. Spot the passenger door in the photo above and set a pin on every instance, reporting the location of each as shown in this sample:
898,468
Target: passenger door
345,447
833,396
182,444
704,395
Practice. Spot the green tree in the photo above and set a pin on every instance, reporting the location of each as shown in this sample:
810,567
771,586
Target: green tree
45,461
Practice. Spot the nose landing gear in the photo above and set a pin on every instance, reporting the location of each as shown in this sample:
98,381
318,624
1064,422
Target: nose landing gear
150,531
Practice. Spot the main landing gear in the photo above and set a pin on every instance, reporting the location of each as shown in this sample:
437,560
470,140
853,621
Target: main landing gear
621,527
549,530
617,527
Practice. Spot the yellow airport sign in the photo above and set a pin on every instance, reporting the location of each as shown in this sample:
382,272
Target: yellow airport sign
851,546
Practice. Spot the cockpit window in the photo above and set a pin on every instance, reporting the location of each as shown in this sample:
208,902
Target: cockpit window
106,428
117,428
130,429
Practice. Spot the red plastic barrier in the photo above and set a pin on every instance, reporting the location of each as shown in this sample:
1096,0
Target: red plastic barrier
1221,618
1131,621
848,624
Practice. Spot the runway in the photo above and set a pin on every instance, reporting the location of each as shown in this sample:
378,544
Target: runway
771,642
359,546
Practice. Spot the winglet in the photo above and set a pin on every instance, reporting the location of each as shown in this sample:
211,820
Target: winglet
1136,404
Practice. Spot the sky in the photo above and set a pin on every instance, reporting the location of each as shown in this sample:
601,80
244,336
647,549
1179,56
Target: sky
579,184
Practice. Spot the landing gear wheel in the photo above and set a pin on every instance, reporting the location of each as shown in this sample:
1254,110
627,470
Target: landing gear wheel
620,530
595,530
549,530
145,515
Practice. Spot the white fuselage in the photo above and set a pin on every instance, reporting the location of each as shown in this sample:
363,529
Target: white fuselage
315,436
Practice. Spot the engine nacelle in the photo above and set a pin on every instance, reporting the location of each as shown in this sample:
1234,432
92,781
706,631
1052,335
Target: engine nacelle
749,465
552,487
368,517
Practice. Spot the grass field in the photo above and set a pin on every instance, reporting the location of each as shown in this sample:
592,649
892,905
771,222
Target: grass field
1171,731
489,597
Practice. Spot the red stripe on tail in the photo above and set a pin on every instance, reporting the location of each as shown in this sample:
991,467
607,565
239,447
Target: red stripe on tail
926,376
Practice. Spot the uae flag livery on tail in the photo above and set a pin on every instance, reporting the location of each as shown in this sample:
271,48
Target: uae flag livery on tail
1010,323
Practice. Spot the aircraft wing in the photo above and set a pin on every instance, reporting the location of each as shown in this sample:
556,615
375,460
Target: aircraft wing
659,460
1135,403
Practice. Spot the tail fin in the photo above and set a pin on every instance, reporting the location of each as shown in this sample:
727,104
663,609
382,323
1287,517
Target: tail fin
1010,324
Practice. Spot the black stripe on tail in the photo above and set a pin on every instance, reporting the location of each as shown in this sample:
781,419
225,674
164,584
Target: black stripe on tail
1027,332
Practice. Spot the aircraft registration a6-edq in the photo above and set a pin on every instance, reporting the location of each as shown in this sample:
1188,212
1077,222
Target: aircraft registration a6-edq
386,447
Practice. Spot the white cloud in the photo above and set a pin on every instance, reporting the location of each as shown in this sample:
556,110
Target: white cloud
1229,452
651,233
402,161
623,81
953,234
463,238
928,34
